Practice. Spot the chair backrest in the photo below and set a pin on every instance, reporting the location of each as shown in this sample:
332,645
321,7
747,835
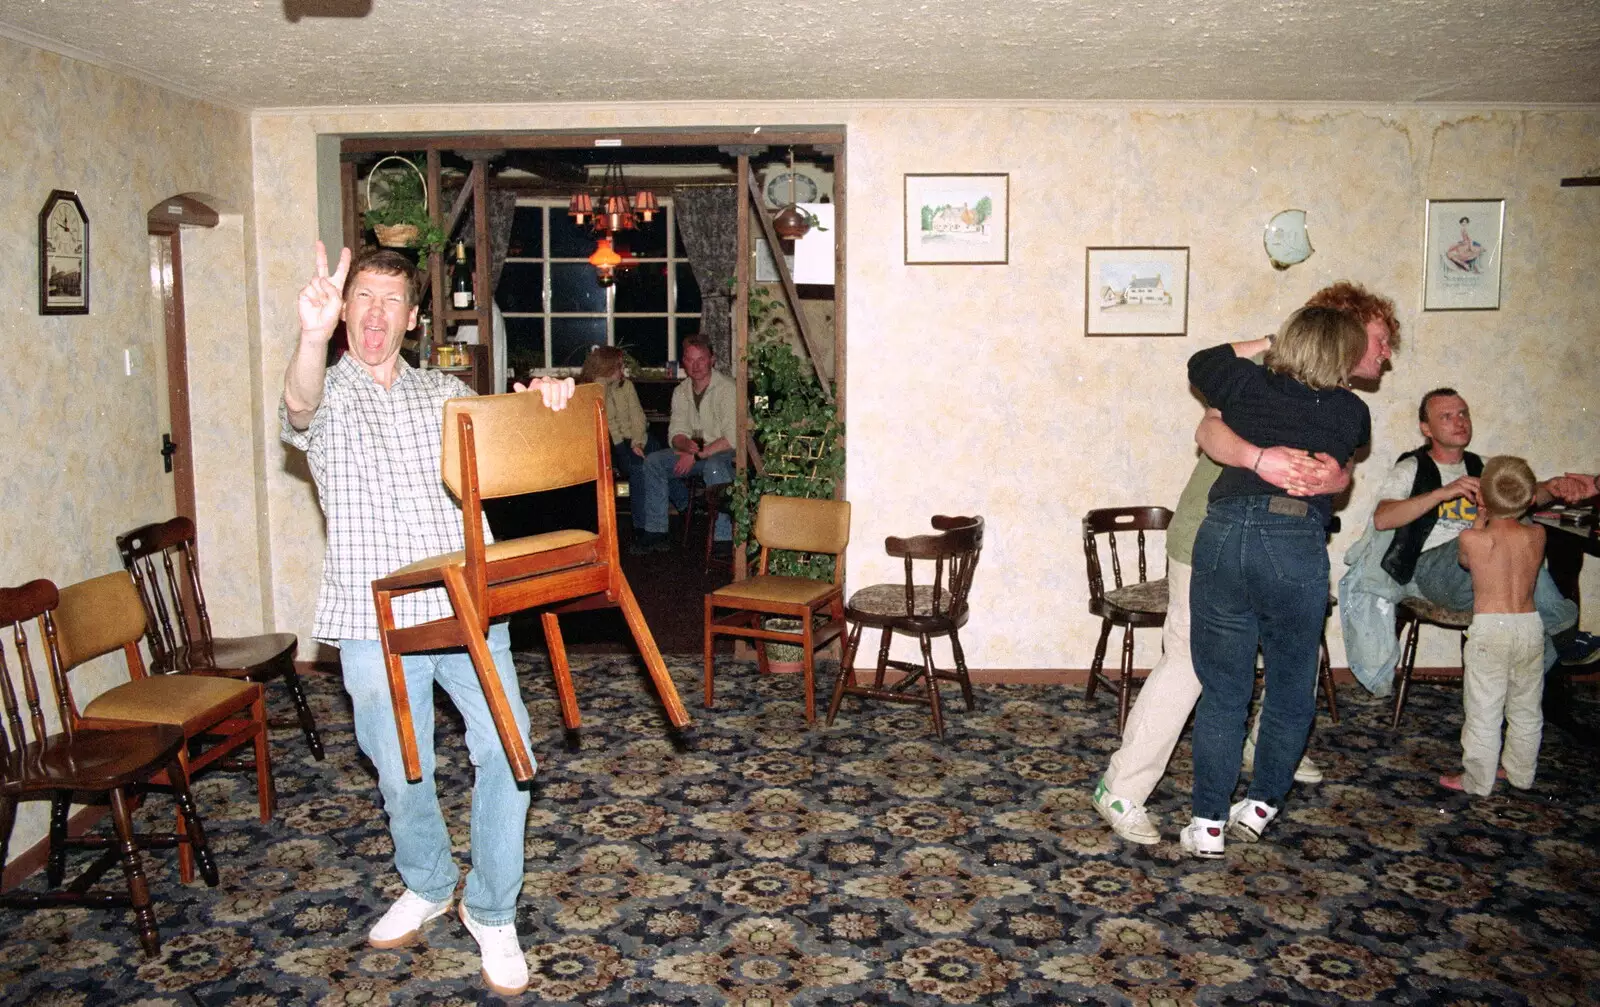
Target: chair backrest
161,558
1108,521
96,617
954,553
802,525
523,447
19,606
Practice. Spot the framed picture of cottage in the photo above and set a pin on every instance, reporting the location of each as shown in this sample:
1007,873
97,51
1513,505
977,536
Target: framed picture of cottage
958,220
1461,242
1136,291
63,255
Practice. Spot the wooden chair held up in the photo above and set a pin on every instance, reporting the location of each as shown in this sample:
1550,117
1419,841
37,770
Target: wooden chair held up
162,559
35,763
923,611
499,446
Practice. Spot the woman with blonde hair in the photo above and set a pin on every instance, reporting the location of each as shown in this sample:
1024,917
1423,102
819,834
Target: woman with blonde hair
625,419
1261,565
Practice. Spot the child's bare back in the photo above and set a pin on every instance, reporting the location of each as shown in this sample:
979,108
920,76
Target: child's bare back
1503,557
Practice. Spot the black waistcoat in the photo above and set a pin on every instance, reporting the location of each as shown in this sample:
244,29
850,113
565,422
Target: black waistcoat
1400,562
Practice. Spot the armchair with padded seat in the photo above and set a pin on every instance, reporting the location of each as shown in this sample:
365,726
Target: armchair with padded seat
72,761
924,611
818,527
218,716
166,569
497,446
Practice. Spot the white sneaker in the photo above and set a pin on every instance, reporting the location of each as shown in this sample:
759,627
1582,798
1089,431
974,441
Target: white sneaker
505,969
1306,772
404,921
1202,837
1128,820
1248,819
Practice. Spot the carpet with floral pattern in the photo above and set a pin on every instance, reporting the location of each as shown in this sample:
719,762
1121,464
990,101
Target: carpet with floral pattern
759,863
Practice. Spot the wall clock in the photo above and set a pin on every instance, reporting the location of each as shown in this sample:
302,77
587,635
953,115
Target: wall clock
1286,240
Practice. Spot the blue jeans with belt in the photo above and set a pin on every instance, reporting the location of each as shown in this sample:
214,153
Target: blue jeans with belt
1260,579
499,805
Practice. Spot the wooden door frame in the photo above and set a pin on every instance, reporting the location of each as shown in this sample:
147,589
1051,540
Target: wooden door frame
164,223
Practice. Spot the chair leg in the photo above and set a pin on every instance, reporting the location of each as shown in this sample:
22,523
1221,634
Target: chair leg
883,656
399,698
961,668
665,689
138,889
808,660
710,646
1097,666
8,819
196,831
302,710
494,693
56,864
561,671
1125,685
1408,658
185,853
932,683
1325,676
266,790
847,671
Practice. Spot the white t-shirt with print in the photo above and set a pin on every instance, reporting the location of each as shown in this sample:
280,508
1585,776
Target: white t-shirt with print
1455,516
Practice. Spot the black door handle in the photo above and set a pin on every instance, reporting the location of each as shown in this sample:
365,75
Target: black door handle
169,447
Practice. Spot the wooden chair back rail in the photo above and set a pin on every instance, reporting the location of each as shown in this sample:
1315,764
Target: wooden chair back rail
18,605
505,445
1108,521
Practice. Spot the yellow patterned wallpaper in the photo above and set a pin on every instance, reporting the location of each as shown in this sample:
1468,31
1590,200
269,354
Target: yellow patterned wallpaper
80,464
971,389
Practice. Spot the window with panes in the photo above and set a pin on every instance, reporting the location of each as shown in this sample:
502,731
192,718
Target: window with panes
555,308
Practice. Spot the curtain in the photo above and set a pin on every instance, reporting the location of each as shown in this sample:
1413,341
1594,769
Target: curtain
708,223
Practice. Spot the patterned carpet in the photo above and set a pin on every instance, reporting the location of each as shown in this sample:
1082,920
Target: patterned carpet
762,864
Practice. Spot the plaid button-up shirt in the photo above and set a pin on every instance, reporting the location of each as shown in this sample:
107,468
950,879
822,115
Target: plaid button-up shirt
374,454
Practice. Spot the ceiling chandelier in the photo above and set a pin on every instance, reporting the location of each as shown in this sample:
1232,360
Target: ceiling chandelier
609,212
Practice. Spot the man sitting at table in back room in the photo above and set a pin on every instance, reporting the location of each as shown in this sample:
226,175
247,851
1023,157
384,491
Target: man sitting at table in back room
1409,549
700,435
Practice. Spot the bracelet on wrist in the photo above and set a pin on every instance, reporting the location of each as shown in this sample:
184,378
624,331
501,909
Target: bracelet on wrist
1260,454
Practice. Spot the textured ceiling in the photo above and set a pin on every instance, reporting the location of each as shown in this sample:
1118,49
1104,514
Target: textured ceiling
252,54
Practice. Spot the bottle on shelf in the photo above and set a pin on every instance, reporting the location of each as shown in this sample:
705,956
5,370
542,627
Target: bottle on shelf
461,280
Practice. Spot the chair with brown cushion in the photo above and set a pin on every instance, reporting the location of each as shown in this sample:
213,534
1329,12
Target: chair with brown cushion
162,559
1410,615
920,610
499,446
118,763
815,527
218,716
1135,605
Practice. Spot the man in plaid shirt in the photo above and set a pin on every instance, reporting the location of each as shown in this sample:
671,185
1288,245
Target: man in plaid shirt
370,427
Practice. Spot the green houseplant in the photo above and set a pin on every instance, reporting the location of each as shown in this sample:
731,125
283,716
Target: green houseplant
797,429
397,211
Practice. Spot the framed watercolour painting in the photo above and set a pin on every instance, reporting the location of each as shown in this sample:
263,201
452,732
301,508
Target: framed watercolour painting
1136,292
958,220
1461,249
63,256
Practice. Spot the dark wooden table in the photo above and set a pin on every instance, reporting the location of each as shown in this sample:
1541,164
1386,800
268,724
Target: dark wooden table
1571,534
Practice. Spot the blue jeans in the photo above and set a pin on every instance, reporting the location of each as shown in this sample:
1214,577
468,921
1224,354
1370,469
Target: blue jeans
1260,579
630,466
660,483
1440,579
499,806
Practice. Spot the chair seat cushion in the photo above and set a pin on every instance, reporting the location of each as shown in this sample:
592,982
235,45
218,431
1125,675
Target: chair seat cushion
171,699
889,601
1427,611
509,549
774,588
1145,596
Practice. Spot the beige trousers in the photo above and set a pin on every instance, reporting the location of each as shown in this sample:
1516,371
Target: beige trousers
1502,684
1170,691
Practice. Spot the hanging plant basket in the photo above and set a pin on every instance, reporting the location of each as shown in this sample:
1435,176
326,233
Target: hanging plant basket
403,222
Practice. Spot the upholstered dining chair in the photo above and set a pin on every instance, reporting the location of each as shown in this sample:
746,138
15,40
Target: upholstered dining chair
499,446
817,527
35,763
1133,605
165,566
1410,616
218,716
923,611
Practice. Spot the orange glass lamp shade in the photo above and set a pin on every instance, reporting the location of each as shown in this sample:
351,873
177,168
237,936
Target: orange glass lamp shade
645,205
605,260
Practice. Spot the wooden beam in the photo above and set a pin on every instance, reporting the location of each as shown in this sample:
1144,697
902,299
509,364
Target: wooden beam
436,260
744,443
840,201
462,198
483,288
586,139
1567,183
757,205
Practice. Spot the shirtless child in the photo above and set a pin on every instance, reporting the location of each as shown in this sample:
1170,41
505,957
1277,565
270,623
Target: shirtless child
1503,674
